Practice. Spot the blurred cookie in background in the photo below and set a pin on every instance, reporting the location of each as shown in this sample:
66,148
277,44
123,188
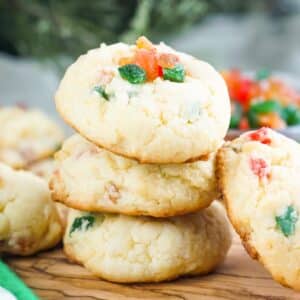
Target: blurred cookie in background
27,136
29,221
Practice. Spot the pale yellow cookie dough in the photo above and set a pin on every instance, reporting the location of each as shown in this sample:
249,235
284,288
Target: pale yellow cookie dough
26,135
154,122
93,179
260,185
142,249
28,218
43,168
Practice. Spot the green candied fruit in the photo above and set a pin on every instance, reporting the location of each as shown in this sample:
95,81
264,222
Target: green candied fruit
262,74
236,115
101,91
264,107
234,121
291,114
133,73
176,74
287,221
82,223
252,119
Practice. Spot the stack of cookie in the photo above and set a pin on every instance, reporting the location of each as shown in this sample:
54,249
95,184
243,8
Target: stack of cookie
140,175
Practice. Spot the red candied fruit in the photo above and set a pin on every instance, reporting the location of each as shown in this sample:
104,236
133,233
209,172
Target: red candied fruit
260,167
241,88
244,124
260,135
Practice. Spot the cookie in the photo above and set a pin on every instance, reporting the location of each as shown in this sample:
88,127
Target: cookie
259,179
92,179
171,114
128,249
26,135
43,168
28,218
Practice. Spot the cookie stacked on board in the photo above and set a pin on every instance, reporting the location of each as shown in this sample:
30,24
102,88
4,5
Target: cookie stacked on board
140,173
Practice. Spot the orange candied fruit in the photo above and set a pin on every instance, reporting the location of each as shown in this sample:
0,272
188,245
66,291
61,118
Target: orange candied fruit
272,120
143,43
167,60
125,61
147,60
147,57
277,89
153,63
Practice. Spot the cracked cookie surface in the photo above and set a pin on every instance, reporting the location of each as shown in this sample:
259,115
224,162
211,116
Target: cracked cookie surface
92,179
143,249
154,122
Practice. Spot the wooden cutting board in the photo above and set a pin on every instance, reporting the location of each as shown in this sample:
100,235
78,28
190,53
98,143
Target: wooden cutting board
53,277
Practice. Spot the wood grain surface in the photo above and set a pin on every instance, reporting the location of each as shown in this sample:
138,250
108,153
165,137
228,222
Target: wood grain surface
53,277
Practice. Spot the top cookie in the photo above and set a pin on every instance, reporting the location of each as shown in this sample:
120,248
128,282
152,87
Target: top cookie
259,178
146,102
26,136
